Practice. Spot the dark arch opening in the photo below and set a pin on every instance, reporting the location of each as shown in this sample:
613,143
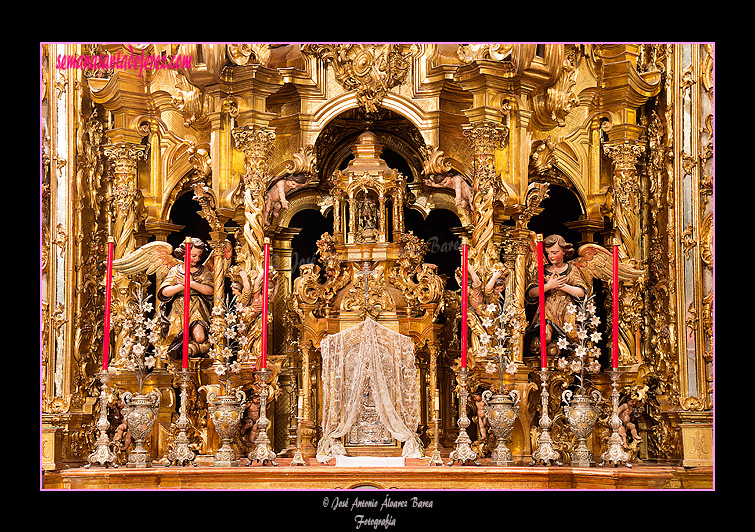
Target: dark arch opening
304,245
185,211
443,245
560,207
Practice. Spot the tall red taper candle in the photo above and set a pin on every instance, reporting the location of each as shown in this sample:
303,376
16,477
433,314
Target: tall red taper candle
615,336
108,297
541,298
464,296
187,298
265,284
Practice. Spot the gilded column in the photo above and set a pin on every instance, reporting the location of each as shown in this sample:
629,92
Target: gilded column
123,158
485,137
625,196
257,145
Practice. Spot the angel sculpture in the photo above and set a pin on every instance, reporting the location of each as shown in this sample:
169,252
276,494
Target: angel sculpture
463,197
275,200
159,258
249,295
566,281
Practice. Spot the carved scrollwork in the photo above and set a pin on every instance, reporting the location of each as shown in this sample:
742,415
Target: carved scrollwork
369,69
553,104
474,52
245,54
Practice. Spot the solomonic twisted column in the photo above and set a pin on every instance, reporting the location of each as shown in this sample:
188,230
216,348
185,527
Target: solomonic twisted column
257,144
485,138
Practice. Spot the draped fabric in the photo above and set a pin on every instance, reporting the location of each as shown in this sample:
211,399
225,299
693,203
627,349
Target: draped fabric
369,352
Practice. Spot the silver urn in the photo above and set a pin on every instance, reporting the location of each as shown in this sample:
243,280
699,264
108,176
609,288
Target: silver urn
140,413
582,412
501,411
226,412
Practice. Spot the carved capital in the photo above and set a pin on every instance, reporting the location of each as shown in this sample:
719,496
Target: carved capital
257,145
124,156
254,141
624,155
486,136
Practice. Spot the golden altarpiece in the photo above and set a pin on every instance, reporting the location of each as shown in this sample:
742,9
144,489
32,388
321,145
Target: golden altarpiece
367,169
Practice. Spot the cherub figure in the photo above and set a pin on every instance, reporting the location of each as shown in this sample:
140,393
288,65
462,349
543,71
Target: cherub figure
626,413
158,257
475,400
475,294
122,437
463,192
496,285
250,419
275,199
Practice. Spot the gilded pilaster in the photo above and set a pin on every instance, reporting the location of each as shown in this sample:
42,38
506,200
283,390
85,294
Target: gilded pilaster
691,243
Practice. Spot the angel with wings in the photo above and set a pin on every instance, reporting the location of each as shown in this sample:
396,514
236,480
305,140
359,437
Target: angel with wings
566,281
159,258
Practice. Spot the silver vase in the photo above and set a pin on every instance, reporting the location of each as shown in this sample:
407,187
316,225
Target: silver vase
226,413
582,413
501,411
140,413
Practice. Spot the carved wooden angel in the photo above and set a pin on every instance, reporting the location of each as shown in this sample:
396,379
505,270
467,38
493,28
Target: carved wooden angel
565,281
462,190
275,199
159,258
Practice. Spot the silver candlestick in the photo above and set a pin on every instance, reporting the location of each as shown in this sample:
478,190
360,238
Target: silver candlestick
463,451
615,452
262,451
545,452
103,453
181,454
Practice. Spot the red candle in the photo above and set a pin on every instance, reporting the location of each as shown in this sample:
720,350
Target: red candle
265,284
464,253
541,296
187,297
108,296
615,346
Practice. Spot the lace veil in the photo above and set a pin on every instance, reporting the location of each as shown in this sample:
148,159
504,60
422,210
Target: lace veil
369,352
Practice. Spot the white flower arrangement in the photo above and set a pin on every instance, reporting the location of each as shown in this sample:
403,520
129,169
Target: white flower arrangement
499,341
227,338
585,353
141,333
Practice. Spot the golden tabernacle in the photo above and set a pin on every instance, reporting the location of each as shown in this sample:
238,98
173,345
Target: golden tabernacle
340,266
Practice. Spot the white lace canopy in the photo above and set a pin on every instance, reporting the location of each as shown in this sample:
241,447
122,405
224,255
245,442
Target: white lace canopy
369,352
